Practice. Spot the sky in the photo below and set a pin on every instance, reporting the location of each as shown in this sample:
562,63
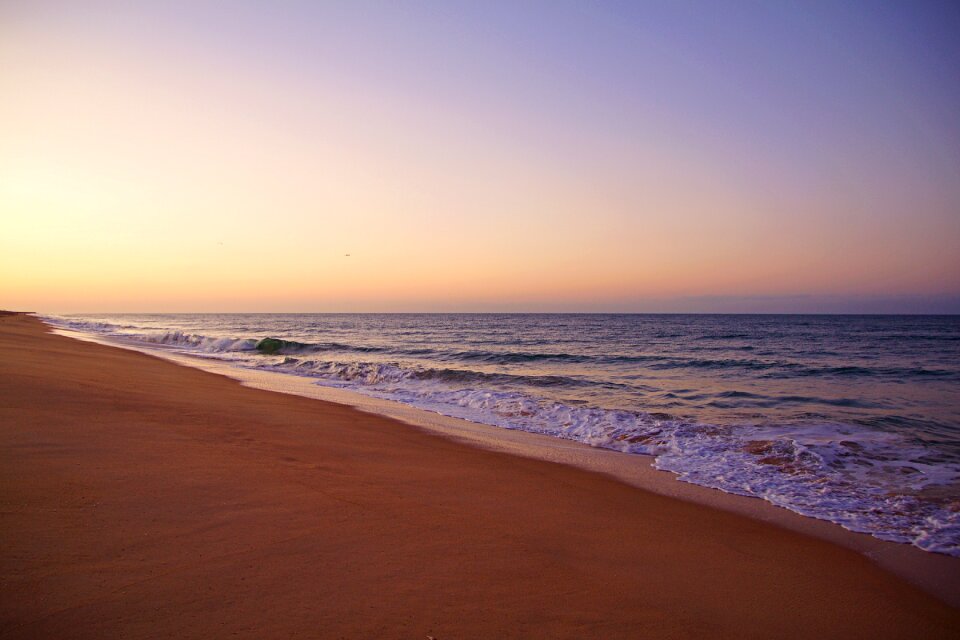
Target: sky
480,156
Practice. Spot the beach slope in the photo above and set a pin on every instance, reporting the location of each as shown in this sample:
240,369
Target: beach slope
140,498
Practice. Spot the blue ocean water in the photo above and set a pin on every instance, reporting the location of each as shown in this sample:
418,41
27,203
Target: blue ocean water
853,419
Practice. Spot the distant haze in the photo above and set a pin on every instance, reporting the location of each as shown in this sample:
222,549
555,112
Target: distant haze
482,156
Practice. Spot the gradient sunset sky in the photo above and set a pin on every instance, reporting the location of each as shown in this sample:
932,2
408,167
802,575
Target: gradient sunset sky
483,156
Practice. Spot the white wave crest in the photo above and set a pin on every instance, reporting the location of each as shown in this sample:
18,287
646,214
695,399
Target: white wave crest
200,342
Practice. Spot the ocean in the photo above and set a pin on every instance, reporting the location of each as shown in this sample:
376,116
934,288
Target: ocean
851,419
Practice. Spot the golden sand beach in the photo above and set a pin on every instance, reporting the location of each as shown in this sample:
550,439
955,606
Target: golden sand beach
145,499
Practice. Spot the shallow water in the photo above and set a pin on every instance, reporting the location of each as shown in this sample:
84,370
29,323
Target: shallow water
851,419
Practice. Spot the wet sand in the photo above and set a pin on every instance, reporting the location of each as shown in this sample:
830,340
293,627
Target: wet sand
144,499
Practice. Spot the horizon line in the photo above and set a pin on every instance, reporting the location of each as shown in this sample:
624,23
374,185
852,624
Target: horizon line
495,313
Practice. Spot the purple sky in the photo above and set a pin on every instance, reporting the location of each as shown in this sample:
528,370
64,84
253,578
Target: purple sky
563,156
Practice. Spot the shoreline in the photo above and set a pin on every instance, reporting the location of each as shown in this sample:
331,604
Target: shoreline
141,497
935,573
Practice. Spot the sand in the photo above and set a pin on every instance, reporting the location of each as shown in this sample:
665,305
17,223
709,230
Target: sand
145,499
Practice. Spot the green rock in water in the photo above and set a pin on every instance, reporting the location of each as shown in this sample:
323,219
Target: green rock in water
270,345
